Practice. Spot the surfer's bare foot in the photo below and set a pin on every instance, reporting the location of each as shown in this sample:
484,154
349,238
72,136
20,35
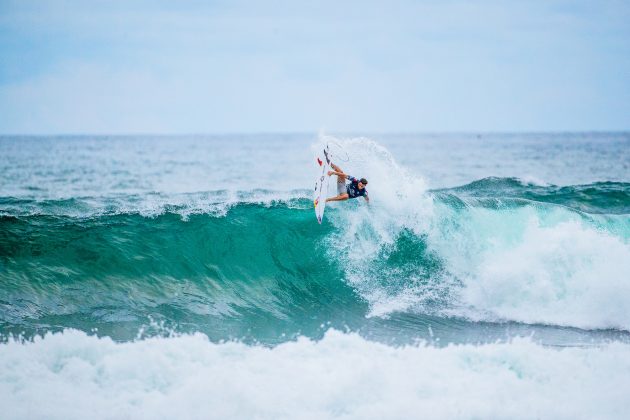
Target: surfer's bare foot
335,167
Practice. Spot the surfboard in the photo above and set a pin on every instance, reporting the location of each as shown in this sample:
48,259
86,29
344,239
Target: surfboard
321,185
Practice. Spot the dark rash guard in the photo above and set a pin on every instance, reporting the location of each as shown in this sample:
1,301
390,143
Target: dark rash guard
353,188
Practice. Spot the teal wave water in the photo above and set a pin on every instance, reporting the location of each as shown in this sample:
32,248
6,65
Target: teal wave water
264,271
256,265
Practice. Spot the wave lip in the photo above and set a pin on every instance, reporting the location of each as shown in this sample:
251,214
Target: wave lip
214,203
72,375
611,198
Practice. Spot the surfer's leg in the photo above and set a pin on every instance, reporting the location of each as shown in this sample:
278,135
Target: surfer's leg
336,168
340,197
341,179
341,186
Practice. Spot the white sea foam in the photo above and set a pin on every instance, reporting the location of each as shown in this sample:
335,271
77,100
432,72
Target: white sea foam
565,273
72,375
398,201
536,265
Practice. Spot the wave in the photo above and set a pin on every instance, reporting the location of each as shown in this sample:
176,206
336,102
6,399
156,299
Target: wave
269,265
254,263
73,375
262,267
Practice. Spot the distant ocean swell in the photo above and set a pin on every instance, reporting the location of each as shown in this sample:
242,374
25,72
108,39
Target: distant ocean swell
494,250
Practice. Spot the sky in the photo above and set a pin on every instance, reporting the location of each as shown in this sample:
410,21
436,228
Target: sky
186,67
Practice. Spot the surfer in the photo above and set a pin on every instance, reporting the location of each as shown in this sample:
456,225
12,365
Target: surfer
356,187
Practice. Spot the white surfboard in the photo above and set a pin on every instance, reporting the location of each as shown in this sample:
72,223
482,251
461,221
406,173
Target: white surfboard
321,185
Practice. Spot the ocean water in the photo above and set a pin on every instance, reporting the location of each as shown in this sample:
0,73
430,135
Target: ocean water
161,277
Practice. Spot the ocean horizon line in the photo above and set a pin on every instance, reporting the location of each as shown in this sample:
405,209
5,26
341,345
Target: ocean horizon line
335,133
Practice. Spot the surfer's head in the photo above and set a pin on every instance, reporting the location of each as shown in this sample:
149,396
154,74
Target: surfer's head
362,183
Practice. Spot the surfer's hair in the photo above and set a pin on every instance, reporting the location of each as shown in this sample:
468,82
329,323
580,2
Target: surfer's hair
363,181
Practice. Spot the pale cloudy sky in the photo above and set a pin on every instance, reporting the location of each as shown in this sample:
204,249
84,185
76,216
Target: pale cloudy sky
276,66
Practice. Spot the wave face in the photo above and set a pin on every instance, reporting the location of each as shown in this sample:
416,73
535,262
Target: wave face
257,265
